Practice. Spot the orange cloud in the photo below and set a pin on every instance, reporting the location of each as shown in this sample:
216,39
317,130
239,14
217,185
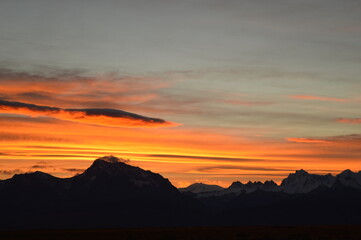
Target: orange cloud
318,98
104,117
306,140
68,89
351,141
349,120
177,153
181,154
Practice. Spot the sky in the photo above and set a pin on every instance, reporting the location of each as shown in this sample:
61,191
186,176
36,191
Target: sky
210,91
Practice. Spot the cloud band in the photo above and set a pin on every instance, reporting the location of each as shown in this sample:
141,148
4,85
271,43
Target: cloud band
98,116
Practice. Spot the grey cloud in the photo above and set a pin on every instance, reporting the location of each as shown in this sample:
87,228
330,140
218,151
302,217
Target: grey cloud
41,164
76,170
350,138
10,172
107,117
6,136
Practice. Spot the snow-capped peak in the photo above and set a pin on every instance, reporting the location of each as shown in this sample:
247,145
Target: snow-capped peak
350,179
299,174
298,182
201,188
112,159
116,171
303,182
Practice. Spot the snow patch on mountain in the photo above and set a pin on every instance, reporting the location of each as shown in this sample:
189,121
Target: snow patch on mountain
303,182
299,182
349,178
201,188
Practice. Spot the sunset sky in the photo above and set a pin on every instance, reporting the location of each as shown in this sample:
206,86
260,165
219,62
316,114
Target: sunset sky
197,90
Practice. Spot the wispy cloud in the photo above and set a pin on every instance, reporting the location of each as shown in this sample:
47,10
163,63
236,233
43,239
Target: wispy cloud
15,137
104,117
207,158
306,140
11,172
341,139
248,103
248,168
41,165
318,98
349,120
72,88
74,170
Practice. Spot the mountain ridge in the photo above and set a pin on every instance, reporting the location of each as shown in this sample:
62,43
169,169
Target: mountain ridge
108,194
298,182
112,193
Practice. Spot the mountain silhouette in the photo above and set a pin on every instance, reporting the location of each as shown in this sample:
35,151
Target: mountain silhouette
112,193
301,199
299,182
201,188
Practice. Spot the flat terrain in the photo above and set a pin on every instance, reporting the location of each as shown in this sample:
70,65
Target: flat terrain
209,233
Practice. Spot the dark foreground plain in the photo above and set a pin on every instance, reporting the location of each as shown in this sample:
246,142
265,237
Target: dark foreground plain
338,232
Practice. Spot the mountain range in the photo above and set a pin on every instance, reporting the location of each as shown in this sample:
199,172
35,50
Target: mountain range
112,193
296,183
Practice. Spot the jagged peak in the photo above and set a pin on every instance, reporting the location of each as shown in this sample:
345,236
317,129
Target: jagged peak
270,182
112,159
346,173
109,162
301,172
111,165
236,184
296,175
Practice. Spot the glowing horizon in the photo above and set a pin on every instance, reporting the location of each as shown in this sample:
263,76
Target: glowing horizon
194,90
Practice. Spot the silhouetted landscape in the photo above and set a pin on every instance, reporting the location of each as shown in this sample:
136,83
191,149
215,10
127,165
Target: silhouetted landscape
113,194
349,232
180,119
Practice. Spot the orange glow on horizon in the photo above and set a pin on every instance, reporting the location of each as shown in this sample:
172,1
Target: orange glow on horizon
65,139
184,155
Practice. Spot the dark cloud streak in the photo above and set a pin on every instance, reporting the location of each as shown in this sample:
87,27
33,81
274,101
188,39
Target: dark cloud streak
207,158
105,117
10,172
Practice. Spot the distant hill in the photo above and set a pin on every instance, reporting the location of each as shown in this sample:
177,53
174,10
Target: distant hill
111,193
